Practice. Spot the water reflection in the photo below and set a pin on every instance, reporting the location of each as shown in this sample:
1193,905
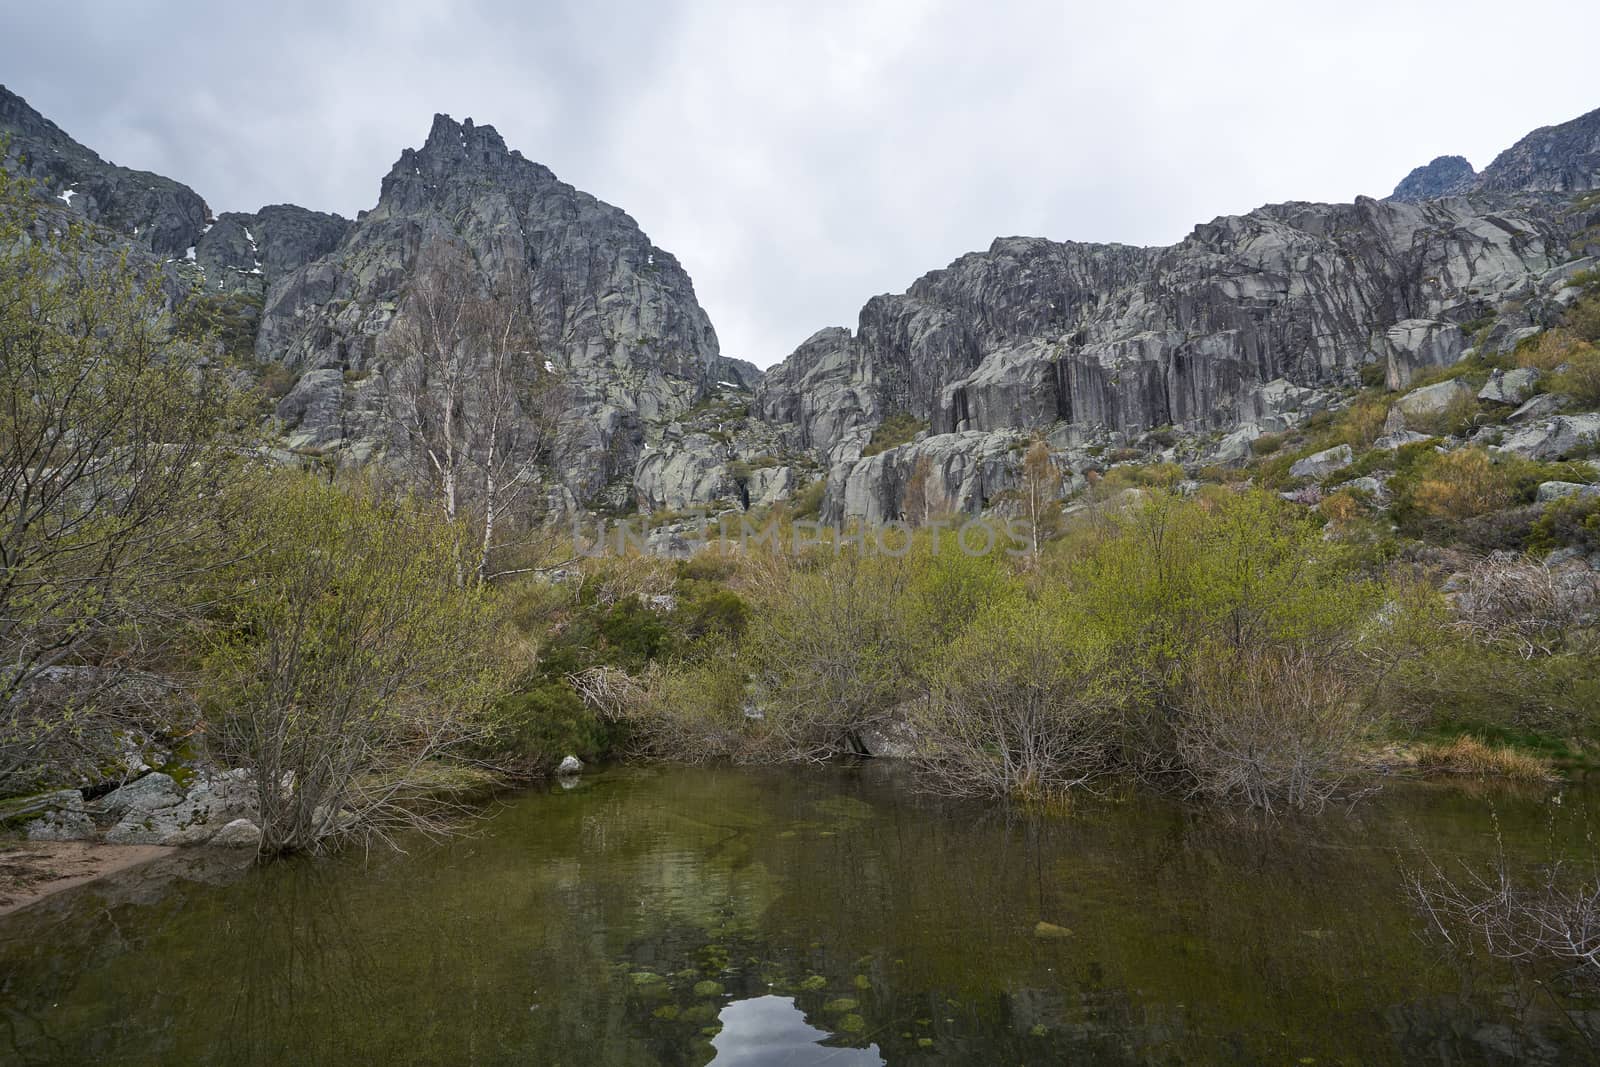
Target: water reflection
681,917
771,1031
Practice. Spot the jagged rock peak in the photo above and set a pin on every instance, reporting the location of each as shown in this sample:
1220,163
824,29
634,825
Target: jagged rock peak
455,149
1445,176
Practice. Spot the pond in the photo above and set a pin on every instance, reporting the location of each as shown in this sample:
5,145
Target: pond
663,915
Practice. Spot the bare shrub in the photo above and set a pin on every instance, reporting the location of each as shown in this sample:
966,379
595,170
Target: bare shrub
1555,919
1524,604
1024,705
1273,726
346,664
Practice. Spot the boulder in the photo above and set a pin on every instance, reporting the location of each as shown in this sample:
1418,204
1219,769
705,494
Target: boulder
240,833
570,765
1389,442
1319,465
1433,399
1235,447
1549,491
895,739
1509,387
1418,343
61,826
1539,407
150,793
1554,438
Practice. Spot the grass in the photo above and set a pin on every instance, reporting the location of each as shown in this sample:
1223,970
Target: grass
894,430
1468,755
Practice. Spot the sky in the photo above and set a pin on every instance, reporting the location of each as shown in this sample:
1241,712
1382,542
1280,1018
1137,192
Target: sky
799,158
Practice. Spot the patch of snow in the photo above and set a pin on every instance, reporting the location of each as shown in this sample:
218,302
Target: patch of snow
734,384
250,237
549,367
188,253
650,259
66,197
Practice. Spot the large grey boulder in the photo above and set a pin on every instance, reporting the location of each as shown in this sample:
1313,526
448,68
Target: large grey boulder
153,791
685,471
1434,399
1539,407
1510,387
1319,465
1391,442
954,473
240,833
61,817
1418,343
1235,447
1554,438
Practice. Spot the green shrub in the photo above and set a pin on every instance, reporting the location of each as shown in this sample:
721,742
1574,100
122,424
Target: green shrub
530,731
1581,377
1573,521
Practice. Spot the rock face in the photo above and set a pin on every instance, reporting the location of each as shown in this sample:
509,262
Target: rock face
152,212
1244,320
249,252
1445,176
615,314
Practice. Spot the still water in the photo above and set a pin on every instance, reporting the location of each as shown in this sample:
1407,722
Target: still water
833,916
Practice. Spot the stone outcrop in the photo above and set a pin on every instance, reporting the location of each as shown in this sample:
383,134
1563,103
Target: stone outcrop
248,253
1445,176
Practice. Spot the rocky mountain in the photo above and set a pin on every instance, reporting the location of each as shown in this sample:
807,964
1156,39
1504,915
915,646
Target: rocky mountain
616,315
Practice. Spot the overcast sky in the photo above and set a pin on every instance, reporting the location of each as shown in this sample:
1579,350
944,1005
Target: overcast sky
800,157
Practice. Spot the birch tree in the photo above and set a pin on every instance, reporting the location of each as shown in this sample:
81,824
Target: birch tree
483,414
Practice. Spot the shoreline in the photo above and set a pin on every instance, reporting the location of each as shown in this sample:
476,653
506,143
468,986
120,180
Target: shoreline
30,871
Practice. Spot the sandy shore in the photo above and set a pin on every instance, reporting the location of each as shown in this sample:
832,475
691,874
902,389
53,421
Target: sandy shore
32,870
